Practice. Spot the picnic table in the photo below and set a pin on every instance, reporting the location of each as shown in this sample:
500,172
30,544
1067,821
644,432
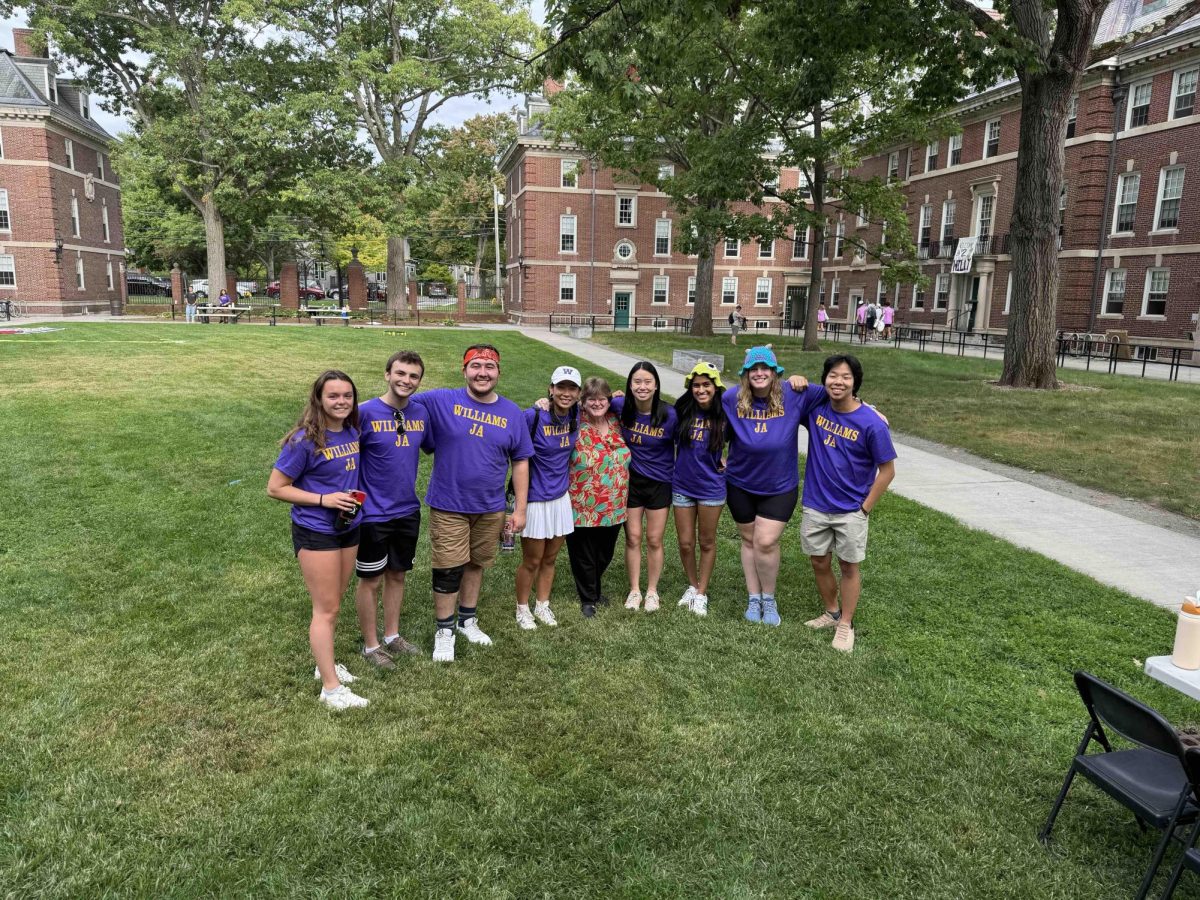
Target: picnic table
225,313
322,315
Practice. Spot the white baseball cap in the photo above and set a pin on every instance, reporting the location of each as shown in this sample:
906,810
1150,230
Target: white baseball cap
566,373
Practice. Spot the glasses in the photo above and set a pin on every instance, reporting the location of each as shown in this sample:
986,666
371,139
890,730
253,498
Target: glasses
398,415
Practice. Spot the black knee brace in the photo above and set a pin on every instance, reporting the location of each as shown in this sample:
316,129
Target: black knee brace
447,581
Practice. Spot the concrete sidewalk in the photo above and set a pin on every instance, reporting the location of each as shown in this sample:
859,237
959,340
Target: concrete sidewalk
1148,553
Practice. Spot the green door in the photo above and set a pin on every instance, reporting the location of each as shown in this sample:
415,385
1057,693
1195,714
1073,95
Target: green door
621,300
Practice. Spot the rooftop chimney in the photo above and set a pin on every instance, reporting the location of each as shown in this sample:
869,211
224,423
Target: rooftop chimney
24,40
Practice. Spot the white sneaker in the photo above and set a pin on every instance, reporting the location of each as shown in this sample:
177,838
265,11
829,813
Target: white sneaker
341,698
652,602
343,674
525,618
688,596
544,614
473,632
700,604
443,645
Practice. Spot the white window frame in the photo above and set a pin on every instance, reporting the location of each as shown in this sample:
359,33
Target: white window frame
660,285
941,304
661,226
8,266
839,240
803,243
1123,180
666,170
954,150
691,290
1,143
1109,278
835,293
1008,295
632,200
104,224
625,242
729,284
925,226
1072,117
109,272
1148,84
769,245
931,155
80,282
75,223
759,298
860,220
949,212
6,224
737,252
1163,174
1150,273
51,85
100,166
987,138
893,169
69,149
918,297
568,169
568,228
567,282
85,110
1194,71
985,203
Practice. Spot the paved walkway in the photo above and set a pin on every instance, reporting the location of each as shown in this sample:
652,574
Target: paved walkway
1148,553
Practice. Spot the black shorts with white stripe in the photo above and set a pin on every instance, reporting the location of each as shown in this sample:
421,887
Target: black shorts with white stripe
388,546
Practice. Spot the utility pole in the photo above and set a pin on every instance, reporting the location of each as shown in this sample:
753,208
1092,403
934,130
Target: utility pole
496,238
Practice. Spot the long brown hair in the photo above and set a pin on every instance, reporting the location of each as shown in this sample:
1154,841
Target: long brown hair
313,421
745,400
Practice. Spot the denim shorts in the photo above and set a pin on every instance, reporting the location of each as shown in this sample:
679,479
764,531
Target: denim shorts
678,499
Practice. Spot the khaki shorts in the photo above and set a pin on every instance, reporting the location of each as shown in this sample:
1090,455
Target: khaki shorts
843,533
456,539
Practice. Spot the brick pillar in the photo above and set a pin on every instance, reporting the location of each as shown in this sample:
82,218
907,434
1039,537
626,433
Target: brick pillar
412,294
231,283
178,288
461,289
356,283
289,286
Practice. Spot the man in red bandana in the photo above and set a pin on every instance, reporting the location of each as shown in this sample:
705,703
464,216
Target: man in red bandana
477,435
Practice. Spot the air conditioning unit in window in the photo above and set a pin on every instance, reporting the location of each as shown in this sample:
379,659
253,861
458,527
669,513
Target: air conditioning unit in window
660,324
1147,353
760,324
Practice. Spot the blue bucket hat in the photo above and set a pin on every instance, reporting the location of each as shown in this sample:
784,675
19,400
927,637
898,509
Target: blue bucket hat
764,355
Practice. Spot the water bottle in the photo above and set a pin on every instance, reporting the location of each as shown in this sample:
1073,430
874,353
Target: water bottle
508,537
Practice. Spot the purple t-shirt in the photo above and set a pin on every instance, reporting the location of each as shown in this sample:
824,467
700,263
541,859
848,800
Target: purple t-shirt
390,458
553,441
651,447
844,452
474,443
698,470
764,456
323,472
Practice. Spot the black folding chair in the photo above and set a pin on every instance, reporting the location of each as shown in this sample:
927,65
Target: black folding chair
1191,856
1149,781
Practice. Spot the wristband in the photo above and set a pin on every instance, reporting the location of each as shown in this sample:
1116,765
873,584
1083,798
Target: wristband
864,511
321,500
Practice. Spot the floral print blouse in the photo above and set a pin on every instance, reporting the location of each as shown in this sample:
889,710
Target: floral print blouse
599,476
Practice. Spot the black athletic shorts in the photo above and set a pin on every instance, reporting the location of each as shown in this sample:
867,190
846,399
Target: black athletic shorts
647,493
745,506
388,545
307,539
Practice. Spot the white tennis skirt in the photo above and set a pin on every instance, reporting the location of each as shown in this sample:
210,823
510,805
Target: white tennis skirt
549,519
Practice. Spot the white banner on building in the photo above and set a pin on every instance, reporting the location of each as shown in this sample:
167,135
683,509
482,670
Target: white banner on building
964,253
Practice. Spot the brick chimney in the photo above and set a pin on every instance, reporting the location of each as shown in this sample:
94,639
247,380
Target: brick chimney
550,87
23,43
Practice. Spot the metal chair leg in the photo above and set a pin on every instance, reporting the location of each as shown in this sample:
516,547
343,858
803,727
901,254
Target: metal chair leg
1044,834
1168,833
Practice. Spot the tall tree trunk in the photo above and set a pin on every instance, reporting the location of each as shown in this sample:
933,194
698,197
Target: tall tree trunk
397,281
811,341
214,242
702,324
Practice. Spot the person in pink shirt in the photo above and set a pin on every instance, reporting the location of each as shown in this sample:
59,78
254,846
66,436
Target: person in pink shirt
889,315
822,320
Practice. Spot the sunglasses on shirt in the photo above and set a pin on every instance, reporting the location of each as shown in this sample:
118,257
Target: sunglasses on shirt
398,415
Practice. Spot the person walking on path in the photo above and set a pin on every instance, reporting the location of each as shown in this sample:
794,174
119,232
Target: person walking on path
698,485
648,427
889,316
548,518
851,462
477,436
394,429
860,317
599,487
822,320
316,472
762,474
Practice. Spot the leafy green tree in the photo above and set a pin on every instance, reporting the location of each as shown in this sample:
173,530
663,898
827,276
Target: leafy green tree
395,66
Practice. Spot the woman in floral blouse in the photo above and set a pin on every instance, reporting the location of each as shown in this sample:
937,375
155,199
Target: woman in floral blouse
599,487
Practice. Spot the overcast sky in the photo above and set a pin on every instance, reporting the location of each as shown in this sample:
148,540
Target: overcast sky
453,113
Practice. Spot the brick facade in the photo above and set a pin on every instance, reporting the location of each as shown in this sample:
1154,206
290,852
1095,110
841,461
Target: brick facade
50,189
983,175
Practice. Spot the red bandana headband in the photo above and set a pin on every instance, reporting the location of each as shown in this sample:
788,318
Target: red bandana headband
481,353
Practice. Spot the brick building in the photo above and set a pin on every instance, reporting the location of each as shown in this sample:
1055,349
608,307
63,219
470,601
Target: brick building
61,240
582,240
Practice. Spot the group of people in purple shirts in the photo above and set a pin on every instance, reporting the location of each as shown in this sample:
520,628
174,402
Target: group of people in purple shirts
579,466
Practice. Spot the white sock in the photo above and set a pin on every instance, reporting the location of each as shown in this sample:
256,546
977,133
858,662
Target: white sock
543,602
367,650
388,638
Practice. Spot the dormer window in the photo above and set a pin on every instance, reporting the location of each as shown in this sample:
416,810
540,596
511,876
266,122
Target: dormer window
51,86
85,105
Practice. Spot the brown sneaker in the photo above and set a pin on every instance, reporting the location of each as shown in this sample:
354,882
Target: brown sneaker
824,620
843,637
379,657
399,645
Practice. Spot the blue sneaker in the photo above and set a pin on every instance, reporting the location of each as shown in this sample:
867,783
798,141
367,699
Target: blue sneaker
770,614
754,611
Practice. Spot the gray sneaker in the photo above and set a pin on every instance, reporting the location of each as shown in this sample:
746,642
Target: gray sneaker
399,645
379,657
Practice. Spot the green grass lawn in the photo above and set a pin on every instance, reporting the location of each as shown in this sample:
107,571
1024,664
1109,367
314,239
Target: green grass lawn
162,735
1137,438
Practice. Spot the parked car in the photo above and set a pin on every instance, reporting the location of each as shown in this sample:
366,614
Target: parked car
247,288
145,286
199,287
376,293
436,289
308,292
